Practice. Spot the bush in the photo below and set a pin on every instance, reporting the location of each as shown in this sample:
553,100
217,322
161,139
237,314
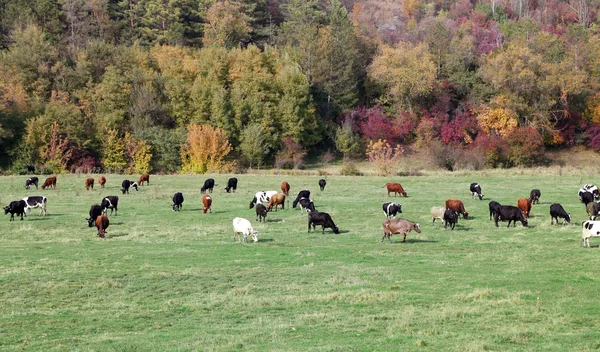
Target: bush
327,157
593,135
384,157
494,149
446,156
291,153
526,147
350,169
205,150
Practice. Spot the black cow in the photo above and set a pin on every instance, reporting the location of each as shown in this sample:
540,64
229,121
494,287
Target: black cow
110,202
302,194
322,184
494,208
586,197
261,212
316,218
15,207
95,211
557,211
510,213
535,195
450,217
231,184
30,169
306,204
476,190
177,201
31,181
391,209
126,184
209,184
35,202
589,188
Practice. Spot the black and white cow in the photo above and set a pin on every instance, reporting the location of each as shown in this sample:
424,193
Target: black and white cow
557,211
95,211
15,207
110,202
127,184
589,188
391,209
177,201
476,190
306,204
450,217
590,229
36,202
262,197
209,184
534,196
510,213
322,184
316,218
231,184
302,194
494,208
31,181
586,197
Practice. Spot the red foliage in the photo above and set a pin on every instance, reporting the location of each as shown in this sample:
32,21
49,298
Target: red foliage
526,146
462,129
593,134
487,38
494,148
460,9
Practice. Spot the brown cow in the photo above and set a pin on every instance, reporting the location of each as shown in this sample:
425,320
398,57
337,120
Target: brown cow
89,183
592,210
396,188
278,199
400,226
457,206
525,205
285,187
207,203
144,178
102,224
102,181
50,183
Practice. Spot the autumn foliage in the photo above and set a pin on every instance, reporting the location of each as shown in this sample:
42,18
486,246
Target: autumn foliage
205,150
384,156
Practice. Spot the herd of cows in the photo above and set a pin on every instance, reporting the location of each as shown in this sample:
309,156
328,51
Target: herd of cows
264,201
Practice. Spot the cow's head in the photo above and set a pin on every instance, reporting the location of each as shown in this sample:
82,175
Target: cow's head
336,230
90,222
134,185
465,215
227,189
6,209
480,195
254,234
417,228
568,218
253,202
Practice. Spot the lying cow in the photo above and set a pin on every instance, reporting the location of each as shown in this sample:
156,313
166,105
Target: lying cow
494,208
510,213
302,194
557,211
15,207
391,209
262,197
476,190
399,226
31,181
35,202
437,213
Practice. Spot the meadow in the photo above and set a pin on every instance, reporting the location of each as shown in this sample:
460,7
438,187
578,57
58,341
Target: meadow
176,281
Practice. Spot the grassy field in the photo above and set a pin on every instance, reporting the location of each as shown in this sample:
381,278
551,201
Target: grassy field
176,281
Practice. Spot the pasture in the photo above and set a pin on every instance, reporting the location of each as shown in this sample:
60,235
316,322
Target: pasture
176,281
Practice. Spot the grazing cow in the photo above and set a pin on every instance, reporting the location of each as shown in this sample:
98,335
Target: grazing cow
525,205
206,203
144,178
36,202
322,184
510,213
285,188
306,204
586,198
177,201
89,183
209,184
261,212
50,183
110,202
590,229
15,207
589,188
316,218
494,208
102,181
30,169
127,184
31,181
476,190
302,194
95,212
557,211
244,227
262,197
535,195
450,217
278,199
437,213
458,206
102,224
399,226
391,209
592,209
231,184
396,188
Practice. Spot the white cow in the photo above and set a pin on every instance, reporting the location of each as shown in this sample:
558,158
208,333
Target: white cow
590,229
262,197
437,213
244,227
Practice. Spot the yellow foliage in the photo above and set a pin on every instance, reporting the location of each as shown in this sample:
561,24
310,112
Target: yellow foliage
205,150
138,155
497,120
384,156
593,109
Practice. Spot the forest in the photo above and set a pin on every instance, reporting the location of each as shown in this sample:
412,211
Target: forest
207,85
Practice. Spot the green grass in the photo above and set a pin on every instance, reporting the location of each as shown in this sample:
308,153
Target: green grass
176,281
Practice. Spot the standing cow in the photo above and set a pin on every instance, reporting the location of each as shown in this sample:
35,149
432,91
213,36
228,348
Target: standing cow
209,184
458,206
231,184
557,211
399,226
525,205
391,209
144,178
285,188
177,201
476,190
102,181
31,181
102,224
206,203
534,196
396,188
89,183
322,184
50,183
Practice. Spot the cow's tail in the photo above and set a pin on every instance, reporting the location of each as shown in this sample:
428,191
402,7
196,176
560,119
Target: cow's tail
384,185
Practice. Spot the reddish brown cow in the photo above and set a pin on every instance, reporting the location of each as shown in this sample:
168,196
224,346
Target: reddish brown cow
50,183
457,206
525,205
278,199
285,188
207,203
144,178
396,188
89,183
102,224
102,181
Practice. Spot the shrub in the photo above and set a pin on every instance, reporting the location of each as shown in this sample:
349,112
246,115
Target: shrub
292,152
384,157
113,152
446,156
327,157
593,135
205,150
56,154
350,169
137,155
526,147
346,141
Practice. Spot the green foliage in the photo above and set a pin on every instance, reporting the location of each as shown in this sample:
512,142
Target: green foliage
346,141
253,144
113,152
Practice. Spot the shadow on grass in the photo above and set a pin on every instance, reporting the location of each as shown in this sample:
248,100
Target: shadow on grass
274,220
409,240
31,218
344,231
265,240
117,223
117,235
56,214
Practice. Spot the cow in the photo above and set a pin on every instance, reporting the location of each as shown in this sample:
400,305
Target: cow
476,190
494,208
391,209
302,194
127,184
399,226
450,217
244,227
590,229
95,212
30,169
306,204
261,212
177,201
510,213
209,184
586,198
437,213
322,184
15,207
110,202
206,203
285,188
262,197
317,218
36,202
50,183
396,188
231,184
144,178
31,181
102,224
89,183
458,206
525,205
102,181
534,196
277,199
592,209
557,211
589,188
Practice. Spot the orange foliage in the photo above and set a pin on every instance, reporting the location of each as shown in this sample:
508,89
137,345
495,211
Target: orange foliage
384,157
498,121
205,150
